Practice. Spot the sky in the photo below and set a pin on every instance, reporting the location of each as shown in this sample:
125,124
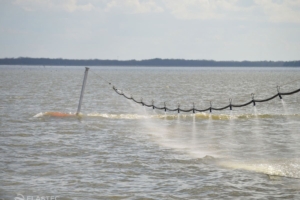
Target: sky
253,30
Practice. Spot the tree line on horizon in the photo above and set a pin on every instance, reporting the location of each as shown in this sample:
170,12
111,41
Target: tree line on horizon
149,62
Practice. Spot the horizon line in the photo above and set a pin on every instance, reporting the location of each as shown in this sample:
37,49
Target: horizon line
139,60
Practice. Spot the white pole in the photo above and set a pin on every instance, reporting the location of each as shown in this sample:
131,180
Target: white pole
82,90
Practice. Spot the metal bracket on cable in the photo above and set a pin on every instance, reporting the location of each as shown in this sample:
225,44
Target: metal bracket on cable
278,88
252,94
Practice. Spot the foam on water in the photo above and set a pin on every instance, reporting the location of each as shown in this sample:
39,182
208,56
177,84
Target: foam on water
41,114
285,168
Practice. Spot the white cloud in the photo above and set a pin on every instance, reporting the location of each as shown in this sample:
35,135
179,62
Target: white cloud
72,5
281,11
202,9
271,10
275,11
66,5
132,6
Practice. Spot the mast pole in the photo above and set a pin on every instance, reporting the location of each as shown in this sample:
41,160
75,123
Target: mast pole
82,90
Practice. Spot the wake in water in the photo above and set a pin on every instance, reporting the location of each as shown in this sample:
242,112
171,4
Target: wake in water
285,168
200,136
192,117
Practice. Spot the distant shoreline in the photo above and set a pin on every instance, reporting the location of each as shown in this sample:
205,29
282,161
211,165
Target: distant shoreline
156,62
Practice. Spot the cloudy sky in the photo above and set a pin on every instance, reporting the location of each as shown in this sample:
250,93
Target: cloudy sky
144,29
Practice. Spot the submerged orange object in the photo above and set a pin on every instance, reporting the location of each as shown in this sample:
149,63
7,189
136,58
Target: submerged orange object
59,114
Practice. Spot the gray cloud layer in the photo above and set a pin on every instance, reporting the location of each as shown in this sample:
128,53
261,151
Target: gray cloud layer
139,29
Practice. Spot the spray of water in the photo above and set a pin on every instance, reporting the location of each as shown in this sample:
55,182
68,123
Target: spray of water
255,111
284,107
172,135
194,131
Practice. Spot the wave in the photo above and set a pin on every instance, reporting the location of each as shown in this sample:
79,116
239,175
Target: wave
284,168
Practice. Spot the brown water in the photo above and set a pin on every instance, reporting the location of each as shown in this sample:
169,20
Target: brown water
121,150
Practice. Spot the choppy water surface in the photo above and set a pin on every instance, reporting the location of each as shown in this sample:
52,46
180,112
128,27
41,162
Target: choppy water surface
121,150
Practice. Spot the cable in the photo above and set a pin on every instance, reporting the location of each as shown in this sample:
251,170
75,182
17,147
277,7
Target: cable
211,108
178,109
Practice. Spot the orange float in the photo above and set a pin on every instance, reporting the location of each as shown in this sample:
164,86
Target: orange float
59,114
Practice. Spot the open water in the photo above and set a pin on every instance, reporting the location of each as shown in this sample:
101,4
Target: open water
117,149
